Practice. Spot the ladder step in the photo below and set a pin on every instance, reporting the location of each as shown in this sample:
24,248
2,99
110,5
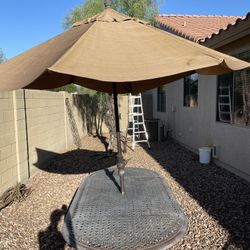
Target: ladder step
136,114
135,97
138,123
135,124
142,141
224,96
224,87
222,120
140,132
136,106
224,104
225,112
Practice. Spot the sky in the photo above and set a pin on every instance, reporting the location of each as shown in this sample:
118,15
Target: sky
26,23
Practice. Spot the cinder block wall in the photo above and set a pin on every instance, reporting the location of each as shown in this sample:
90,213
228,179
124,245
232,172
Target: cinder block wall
45,126
123,110
37,125
8,160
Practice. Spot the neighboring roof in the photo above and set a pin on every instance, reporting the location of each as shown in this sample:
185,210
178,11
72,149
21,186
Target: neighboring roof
231,27
195,27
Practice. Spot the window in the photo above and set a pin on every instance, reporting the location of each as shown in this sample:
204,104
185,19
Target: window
191,91
161,99
233,95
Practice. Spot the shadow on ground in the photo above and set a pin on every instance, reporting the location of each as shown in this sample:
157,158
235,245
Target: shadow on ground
222,194
78,161
51,237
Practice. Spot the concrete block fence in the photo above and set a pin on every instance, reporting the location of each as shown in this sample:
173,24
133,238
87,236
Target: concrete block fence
35,125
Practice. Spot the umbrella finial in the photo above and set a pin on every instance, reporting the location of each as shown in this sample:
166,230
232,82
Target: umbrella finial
107,3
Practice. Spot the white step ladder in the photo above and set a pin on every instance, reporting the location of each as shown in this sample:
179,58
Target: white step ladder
225,104
136,128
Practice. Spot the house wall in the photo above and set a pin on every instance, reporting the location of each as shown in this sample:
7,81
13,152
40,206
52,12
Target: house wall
36,125
195,127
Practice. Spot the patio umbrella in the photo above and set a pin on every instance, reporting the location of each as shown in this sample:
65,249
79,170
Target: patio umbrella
113,53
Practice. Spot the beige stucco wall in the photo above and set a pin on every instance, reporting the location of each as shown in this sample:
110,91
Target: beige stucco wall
195,127
36,125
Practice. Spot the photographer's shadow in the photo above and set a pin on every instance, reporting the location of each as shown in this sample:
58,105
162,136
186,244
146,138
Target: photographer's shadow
51,237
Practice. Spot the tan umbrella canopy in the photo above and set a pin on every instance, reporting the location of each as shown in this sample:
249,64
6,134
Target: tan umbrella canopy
113,53
112,48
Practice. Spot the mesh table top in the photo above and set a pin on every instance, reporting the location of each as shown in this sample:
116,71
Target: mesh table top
146,217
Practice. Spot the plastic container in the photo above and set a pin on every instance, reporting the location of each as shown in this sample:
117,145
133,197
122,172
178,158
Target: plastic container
205,155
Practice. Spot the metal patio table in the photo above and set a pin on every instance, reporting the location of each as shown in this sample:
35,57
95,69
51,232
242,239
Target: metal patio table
146,217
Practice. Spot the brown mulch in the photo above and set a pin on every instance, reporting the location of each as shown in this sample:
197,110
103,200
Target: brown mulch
215,201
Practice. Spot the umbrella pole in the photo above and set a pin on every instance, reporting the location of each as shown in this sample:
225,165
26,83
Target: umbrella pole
120,161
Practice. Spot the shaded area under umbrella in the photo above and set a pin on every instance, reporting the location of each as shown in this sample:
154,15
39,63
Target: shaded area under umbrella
113,53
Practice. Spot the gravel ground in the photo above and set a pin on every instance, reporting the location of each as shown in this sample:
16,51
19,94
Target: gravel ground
216,202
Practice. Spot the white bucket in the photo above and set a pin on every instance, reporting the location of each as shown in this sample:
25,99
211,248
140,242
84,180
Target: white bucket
205,155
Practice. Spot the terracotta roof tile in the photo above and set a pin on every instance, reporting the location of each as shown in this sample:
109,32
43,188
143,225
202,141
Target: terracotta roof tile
194,27
230,27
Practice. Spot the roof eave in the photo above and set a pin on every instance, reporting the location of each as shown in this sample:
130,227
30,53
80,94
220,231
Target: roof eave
233,32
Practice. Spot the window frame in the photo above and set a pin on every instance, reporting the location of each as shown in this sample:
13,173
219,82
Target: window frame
186,103
161,99
244,124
